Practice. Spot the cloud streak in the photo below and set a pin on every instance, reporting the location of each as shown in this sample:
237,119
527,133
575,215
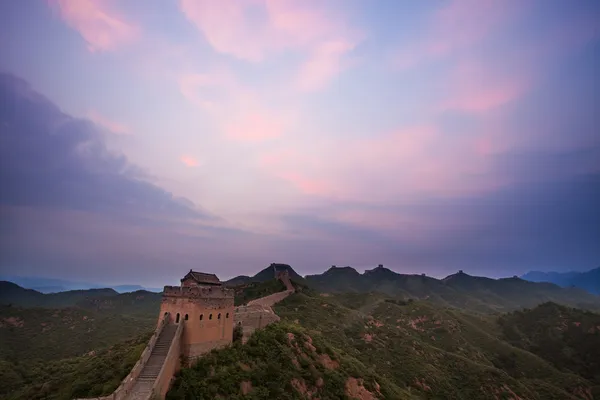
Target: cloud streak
112,126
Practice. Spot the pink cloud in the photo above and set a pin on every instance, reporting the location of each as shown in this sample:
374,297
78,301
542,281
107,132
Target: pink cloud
324,64
306,184
204,90
112,126
98,23
225,26
461,24
252,30
458,25
189,161
479,87
254,127
240,112
484,99
409,162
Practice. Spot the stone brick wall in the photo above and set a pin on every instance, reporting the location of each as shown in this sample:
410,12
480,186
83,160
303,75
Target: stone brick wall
205,312
195,350
253,317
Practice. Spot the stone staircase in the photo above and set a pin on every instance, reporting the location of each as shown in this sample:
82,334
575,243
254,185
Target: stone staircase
143,385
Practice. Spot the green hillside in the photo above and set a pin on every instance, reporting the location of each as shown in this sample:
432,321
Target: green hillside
97,373
566,337
430,349
398,349
51,334
283,361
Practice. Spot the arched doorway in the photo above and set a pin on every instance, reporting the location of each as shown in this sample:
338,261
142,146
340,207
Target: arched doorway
177,319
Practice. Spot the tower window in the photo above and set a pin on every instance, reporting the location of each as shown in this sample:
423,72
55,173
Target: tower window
186,317
201,317
219,316
210,316
227,315
177,319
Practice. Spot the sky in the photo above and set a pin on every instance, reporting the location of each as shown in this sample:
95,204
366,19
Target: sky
142,138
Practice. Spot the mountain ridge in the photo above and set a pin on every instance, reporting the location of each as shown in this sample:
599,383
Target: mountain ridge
459,290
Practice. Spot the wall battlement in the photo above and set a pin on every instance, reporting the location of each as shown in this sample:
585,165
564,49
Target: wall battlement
204,292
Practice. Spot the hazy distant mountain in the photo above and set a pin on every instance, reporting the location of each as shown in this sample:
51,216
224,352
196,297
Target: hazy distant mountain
49,285
138,303
49,289
11,293
589,280
134,288
458,290
52,285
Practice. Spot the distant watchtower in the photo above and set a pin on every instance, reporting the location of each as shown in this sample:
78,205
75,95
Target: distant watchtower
205,307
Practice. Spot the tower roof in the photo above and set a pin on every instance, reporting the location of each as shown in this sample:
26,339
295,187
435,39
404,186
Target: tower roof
202,278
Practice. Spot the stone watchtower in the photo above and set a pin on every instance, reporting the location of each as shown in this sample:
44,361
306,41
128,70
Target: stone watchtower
205,308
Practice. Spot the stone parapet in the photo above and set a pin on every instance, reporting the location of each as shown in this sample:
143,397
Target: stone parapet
217,292
272,299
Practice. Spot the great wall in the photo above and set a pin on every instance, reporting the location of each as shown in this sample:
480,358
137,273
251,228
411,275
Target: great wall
194,318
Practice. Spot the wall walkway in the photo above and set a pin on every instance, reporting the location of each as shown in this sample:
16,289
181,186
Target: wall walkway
258,313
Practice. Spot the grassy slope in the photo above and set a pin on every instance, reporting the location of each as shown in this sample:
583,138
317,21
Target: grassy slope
95,374
280,362
83,348
51,334
139,304
430,349
568,338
